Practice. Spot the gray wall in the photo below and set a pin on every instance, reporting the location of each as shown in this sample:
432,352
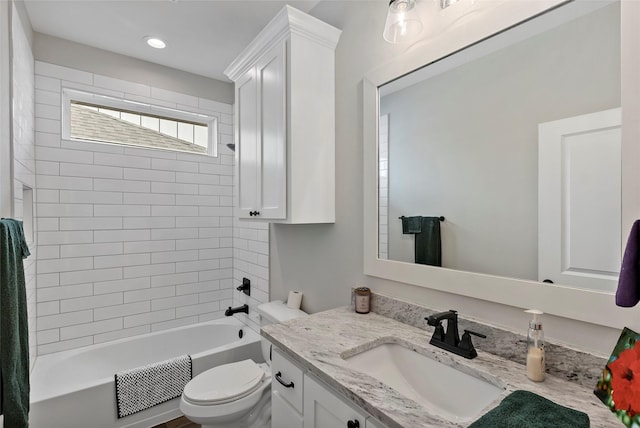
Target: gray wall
24,20
464,144
63,52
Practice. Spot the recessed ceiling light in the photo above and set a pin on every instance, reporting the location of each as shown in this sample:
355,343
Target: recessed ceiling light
155,42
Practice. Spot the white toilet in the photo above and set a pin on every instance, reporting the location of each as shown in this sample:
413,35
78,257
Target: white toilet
236,395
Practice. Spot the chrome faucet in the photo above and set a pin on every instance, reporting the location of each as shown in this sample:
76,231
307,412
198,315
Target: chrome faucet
450,339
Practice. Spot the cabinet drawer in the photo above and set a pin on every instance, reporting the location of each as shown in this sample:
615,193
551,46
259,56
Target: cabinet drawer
286,380
282,414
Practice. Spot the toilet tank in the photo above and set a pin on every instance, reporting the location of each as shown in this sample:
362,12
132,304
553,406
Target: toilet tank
275,312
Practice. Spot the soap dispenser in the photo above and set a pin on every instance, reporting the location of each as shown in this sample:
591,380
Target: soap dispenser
535,348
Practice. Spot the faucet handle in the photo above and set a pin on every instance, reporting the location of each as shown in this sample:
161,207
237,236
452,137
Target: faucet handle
475,334
435,319
466,345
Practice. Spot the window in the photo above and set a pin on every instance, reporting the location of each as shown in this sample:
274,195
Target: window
100,118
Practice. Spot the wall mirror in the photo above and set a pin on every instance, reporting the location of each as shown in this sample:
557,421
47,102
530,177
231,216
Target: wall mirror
464,139
516,141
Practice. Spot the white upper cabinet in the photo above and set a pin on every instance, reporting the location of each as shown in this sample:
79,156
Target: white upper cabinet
285,121
261,137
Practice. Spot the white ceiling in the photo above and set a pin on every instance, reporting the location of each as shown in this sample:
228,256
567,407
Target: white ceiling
203,36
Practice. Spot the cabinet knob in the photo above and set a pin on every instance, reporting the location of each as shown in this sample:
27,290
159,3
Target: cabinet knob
254,213
353,424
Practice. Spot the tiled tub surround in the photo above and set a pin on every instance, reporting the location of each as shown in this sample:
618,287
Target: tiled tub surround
250,260
318,343
130,240
579,367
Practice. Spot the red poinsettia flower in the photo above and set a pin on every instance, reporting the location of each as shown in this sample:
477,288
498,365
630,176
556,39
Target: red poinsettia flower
625,381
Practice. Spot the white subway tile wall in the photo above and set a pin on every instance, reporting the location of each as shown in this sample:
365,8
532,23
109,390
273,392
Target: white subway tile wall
134,240
383,185
250,260
24,164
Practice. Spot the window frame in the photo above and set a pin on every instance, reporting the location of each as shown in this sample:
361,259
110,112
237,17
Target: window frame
145,108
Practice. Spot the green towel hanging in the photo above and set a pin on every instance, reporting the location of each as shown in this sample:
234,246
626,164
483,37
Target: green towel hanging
14,332
411,225
428,244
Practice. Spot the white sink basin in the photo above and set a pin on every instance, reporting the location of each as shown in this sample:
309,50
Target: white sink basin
444,390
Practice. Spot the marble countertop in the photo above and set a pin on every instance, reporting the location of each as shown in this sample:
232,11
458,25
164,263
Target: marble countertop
319,342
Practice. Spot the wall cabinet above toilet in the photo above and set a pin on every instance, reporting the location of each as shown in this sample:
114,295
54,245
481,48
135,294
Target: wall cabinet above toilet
285,121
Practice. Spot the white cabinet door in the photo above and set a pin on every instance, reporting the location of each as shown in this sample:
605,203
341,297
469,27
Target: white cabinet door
282,414
322,409
271,73
262,137
247,142
580,200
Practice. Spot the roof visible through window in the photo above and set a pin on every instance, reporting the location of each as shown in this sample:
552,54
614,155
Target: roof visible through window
119,126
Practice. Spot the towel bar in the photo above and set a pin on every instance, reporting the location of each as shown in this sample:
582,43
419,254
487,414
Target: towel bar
441,217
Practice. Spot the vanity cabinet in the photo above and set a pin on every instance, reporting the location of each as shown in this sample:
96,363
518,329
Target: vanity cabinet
285,121
282,414
299,400
323,409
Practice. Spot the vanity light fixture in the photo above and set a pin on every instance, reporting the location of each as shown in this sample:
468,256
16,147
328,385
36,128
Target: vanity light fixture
155,42
446,3
403,22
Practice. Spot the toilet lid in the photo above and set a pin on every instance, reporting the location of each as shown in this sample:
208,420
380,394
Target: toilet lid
224,383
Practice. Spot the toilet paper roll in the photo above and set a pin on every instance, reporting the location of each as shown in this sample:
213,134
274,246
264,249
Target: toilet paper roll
294,300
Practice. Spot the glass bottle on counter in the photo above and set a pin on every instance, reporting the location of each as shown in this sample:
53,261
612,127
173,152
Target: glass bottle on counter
535,348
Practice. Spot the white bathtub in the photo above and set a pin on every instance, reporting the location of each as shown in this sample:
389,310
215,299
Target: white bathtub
75,389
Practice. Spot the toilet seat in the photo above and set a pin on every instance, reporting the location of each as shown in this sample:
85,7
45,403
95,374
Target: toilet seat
224,384
227,414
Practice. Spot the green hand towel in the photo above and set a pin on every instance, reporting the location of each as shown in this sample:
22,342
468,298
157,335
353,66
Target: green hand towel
428,244
14,334
524,409
411,224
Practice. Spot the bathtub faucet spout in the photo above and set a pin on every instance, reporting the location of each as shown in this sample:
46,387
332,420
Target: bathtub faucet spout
230,311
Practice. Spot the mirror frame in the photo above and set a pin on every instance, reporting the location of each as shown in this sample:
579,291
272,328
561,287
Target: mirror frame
579,304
